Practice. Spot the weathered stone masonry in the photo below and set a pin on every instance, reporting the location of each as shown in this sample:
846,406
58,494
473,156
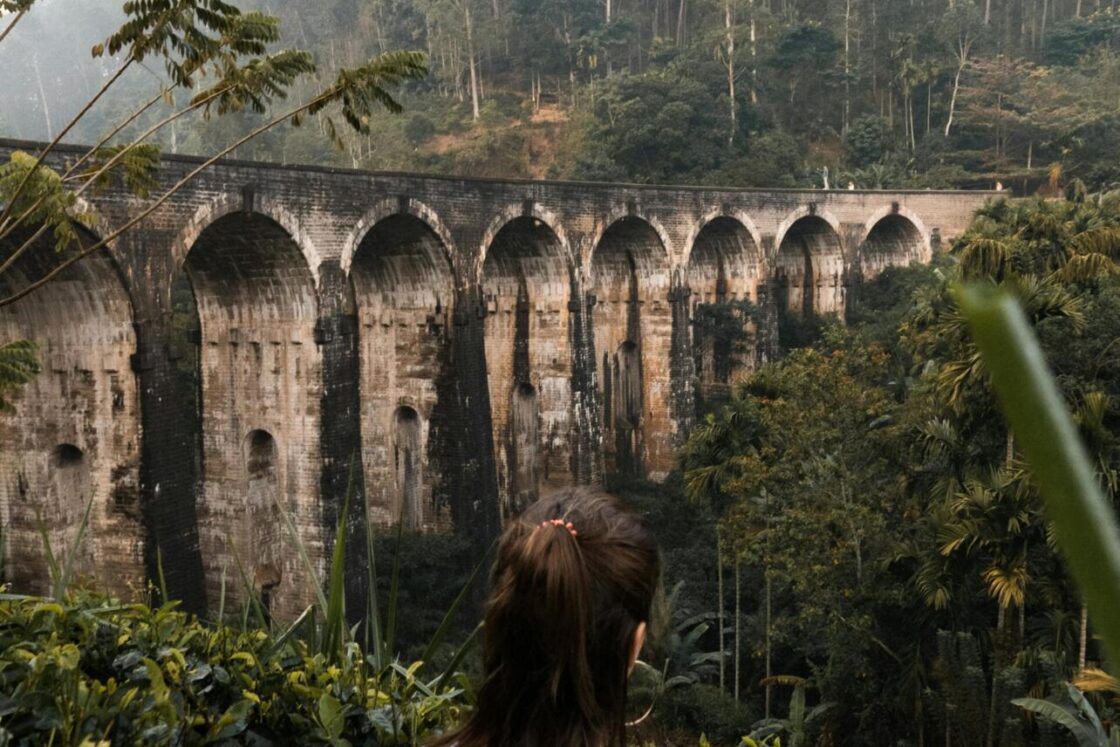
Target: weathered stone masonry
446,347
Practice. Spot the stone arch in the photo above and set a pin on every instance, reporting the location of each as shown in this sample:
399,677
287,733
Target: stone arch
263,528
629,277
747,230
725,265
403,287
526,283
389,207
76,423
408,464
247,202
892,237
809,267
259,363
512,213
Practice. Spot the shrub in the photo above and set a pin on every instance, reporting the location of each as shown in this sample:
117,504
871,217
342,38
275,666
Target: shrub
90,670
706,709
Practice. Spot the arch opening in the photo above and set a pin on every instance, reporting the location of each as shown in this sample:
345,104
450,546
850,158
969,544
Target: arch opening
630,277
724,269
810,269
258,363
72,436
403,289
526,283
894,241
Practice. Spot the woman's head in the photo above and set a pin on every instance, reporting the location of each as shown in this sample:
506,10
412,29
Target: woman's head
571,591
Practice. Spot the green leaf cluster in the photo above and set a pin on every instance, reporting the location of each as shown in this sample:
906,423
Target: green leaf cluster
93,670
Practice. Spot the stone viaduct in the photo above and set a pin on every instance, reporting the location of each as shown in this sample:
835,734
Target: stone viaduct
447,346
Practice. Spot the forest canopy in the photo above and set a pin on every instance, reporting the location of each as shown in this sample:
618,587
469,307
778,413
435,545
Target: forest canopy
810,93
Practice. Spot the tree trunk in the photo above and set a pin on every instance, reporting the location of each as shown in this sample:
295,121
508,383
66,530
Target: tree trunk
769,611
720,617
471,61
1083,642
680,23
847,65
754,56
730,26
953,98
987,12
738,625
42,95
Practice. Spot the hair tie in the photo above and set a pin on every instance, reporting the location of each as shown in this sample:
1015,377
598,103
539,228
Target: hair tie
562,524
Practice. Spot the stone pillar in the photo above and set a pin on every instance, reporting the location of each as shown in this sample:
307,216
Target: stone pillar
340,434
682,365
587,448
466,447
169,469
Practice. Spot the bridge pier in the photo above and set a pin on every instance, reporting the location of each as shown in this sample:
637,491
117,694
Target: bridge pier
633,334
72,439
525,280
261,384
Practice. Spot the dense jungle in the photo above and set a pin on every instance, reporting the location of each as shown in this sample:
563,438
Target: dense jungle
856,549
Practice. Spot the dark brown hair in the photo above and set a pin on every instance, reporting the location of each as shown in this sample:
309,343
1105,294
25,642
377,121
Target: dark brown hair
559,623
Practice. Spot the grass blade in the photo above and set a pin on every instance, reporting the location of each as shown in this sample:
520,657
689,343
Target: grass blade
302,551
373,611
48,550
164,598
335,611
445,624
1084,522
72,550
394,592
284,637
457,659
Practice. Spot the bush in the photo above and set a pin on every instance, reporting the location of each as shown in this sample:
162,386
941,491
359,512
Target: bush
419,129
865,142
706,709
93,671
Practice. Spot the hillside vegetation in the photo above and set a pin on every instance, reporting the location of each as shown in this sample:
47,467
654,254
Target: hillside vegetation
873,93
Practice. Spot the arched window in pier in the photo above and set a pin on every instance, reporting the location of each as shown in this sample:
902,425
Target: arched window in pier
409,467
262,495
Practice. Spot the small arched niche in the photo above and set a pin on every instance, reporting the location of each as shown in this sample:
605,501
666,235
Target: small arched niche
526,282
894,241
262,530
403,289
632,324
409,466
724,269
524,446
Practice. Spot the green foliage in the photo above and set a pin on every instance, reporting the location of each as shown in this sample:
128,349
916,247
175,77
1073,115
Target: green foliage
707,709
19,363
871,489
91,668
865,142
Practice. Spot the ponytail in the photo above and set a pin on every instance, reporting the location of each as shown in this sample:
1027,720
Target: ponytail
555,575
574,577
